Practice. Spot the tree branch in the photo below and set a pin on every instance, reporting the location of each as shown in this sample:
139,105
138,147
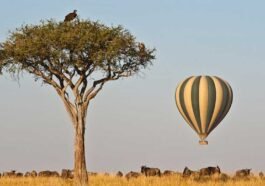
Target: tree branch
58,74
93,94
48,80
69,108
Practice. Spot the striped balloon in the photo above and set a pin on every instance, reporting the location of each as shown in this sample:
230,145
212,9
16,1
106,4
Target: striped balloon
203,101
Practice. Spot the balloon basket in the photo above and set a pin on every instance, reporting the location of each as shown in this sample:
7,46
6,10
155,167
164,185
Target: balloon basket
203,142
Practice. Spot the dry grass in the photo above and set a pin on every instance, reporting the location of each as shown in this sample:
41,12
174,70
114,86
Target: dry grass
141,181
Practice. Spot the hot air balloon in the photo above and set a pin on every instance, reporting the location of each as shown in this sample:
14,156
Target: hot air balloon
203,101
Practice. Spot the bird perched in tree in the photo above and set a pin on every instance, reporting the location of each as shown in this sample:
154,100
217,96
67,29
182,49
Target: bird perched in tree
141,47
71,16
142,51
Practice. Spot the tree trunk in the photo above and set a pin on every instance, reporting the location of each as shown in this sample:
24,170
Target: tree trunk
80,172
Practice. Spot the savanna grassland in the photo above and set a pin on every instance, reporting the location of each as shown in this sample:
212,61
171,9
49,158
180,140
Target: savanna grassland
101,180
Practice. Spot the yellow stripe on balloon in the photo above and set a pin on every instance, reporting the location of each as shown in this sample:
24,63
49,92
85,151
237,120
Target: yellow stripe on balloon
203,102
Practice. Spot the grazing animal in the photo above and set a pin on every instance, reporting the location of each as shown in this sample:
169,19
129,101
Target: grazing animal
132,175
71,16
48,174
67,174
223,177
147,171
27,174
19,174
168,173
9,174
119,174
243,173
32,174
261,175
190,173
187,172
209,171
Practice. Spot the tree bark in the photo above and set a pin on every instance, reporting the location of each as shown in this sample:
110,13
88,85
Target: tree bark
80,171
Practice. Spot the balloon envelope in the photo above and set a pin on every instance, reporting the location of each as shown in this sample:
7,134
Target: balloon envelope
203,101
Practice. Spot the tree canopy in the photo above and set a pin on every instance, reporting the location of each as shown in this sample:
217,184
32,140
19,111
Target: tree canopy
64,55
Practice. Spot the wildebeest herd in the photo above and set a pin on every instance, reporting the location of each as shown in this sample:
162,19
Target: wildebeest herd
214,172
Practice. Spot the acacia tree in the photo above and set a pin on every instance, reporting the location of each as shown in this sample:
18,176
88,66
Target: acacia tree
76,59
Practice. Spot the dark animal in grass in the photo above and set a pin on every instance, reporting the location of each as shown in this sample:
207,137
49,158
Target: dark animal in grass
71,16
132,175
261,175
119,174
32,174
243,173
187,172
19,174
168,173
147,171
67,174
9,174
209,171
48,174
223,177
27,174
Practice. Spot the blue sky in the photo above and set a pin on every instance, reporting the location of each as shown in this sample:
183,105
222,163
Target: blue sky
135,121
